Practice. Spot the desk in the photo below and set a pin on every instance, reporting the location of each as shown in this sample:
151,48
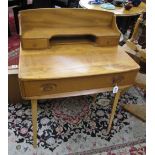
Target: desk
119,11
64,54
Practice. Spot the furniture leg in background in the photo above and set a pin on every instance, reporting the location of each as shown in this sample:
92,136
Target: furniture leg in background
14,95
9,32
16,9
125,23
139,55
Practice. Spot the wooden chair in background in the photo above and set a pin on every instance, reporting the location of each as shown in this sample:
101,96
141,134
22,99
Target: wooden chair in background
139,55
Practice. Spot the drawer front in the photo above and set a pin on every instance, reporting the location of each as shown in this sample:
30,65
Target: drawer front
107,41
49,87
35,43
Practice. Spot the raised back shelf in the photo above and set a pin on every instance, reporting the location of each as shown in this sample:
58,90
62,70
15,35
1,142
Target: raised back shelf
42,28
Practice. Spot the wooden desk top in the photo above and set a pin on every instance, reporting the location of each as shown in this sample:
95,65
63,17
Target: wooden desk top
119,11
62,61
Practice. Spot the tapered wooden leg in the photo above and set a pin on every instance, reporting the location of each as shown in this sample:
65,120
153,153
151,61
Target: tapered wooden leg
113,110
94,98
34,121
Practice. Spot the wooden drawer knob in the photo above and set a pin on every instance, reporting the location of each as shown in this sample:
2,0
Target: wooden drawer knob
34,45
48,87
117,79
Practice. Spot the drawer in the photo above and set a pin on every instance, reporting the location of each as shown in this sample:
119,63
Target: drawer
108,41
49,87
35,43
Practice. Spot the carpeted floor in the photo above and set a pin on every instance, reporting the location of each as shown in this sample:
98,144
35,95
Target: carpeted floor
77,126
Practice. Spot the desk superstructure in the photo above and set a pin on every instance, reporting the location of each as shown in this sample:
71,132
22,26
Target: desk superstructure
71,52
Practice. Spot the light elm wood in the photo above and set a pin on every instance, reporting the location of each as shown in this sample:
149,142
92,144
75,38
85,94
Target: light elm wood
67,24
76,60
64,53
136,27
75,93
50,87
34,121
138,51
114,106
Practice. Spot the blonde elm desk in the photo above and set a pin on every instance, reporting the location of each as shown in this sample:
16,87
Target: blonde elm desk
65,53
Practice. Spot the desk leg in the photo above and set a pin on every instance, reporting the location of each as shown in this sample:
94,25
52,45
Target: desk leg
34,121
94,98
114,106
